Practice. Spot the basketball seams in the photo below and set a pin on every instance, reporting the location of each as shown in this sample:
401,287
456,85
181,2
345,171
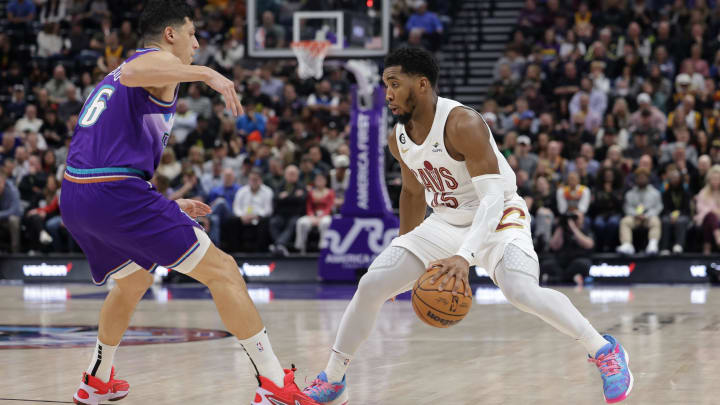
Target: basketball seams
438,311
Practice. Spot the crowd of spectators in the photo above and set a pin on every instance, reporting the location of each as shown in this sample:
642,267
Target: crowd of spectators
273,175
609,111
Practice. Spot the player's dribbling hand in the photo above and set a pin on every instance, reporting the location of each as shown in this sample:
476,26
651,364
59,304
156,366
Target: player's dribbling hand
226,87
454,266
193,208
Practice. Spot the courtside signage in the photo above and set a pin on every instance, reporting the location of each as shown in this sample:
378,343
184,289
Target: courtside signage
46,270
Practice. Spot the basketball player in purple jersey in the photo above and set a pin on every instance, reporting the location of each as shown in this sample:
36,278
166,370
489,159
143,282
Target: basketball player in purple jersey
127,229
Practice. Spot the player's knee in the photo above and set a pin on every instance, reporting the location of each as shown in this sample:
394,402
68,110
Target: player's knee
228,271
221,270
520,295
370,286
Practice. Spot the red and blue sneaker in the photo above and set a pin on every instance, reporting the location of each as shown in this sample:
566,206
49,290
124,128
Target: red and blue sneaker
93,391
612,361
268,393
327,393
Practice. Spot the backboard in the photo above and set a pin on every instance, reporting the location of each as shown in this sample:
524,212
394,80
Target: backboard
356,28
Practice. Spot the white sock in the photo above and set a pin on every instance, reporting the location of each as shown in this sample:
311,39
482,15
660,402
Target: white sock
261,354
592,341
337,365
102,361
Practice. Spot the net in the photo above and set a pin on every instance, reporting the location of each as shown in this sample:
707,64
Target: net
310,56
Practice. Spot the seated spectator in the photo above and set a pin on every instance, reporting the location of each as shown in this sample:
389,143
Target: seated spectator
558,164
57,86
72,104
320,203
596,103
703,167
318,158
269,34
585,119
36,218
571,244
332,139
708,210
251,120
685,112
53,130
190,188
573,196
274,177
30,121
201,136
428,22
32,184
591,165
49,43
527,160
249,229
642,207
647,116
290,203
283,148
682,141
504,90
566,85
530,18
641,145
185,121
169,166
340,179
606,208
322,100
197,102
675,213
542,205
10,212
307,171
222,199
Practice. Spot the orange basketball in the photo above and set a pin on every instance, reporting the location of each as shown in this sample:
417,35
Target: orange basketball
439,308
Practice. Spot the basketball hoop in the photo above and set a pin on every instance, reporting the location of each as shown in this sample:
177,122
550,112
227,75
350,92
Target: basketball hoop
310,56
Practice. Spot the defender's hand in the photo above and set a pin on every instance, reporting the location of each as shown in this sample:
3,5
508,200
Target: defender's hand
226,87
454,266
194,208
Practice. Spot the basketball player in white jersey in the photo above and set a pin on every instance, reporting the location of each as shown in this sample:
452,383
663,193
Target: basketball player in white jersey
450,162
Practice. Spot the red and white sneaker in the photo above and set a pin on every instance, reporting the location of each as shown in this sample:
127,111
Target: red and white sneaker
92,390
270,394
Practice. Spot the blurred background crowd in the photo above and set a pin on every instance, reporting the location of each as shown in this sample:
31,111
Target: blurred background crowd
608,110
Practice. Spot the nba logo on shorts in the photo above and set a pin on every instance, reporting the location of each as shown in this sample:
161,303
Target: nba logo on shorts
260,346
165,139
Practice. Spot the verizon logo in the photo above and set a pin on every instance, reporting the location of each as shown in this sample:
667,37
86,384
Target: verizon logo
607,270
258,270
46,270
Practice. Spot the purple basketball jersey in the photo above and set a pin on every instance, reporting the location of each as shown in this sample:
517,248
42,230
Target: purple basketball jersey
122,126
117,217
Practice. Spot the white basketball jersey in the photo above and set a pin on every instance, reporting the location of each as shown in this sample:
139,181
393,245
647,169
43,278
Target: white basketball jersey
448,186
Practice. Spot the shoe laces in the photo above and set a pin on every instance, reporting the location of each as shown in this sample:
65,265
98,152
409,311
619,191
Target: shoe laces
607,363
317,386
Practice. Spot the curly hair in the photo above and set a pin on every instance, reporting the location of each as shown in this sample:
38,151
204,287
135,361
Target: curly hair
414,61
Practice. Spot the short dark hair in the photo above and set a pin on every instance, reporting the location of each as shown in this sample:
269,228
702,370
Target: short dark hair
414,61
159,14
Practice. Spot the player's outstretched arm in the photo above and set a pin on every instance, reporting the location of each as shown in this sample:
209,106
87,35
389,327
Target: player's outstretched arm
412,194
161,69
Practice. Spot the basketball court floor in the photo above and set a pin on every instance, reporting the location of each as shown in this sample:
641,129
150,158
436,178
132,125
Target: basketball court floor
178,352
